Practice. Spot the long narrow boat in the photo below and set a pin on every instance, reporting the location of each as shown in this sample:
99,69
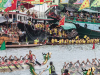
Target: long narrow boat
5,68
21,46
14,67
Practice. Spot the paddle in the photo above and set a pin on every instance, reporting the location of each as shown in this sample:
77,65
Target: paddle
38,63
2,68
43,70
9,67
21,66
15,66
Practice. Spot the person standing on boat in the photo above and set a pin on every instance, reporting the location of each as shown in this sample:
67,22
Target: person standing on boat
31,56
51,69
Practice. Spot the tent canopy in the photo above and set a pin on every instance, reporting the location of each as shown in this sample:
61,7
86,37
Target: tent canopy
2,19
90,11
68,26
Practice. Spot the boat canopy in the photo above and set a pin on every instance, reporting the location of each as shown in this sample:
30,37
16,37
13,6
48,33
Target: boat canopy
90,11
68,26
2,19
65,9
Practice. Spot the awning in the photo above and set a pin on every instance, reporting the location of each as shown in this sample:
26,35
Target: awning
65,9
2,19
70,9
90,11
27,5
68,26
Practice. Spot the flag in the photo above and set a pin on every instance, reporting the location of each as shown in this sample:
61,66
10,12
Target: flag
96,3
64,1
62,21
3,46
2,3
93,45
13,6
8,4
41,1
85,4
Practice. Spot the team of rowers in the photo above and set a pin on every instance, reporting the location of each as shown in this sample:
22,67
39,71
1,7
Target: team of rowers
77,65
75,41
15,61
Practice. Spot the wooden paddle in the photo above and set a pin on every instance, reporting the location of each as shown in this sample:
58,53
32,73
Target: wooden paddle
2,68
9,68
37,62
43,70
15,66
21,66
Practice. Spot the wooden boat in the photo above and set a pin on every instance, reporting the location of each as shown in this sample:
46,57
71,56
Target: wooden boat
21,46
12,67
5,68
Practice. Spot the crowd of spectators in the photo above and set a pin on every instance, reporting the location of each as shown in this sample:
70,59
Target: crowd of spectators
58,32
12,33
34,15
39,26
86,17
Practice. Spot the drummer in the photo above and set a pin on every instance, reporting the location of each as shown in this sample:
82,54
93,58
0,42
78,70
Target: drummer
30,56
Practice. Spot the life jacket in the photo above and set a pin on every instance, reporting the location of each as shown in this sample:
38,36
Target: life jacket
15,62
52,40
60,41
9,62
52,69
65,41
50,32
31,57
21,61
26,61
3,63
56,40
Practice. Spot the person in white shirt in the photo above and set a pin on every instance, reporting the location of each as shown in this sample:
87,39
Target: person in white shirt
71,14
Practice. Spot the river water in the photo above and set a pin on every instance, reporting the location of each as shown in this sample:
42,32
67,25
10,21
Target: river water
60,54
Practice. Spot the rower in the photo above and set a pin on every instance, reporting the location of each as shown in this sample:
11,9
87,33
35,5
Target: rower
70,65
30,56
2,62
51,69
11,58
94,63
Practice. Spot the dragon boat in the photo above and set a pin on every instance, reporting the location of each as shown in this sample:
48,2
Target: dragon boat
23,65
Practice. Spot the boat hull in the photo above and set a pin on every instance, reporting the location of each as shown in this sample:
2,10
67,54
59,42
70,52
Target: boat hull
31,33
85,31
6,69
